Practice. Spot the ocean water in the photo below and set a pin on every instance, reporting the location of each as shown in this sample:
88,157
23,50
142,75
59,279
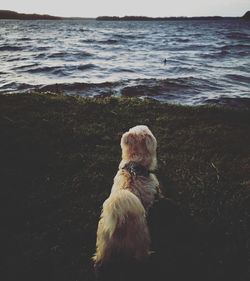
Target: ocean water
187,62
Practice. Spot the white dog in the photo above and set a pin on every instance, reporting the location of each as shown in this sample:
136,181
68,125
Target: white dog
122,230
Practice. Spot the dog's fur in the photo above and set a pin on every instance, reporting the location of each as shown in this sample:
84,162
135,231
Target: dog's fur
122,230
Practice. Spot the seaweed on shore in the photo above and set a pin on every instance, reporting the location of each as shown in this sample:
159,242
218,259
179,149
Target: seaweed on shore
58,157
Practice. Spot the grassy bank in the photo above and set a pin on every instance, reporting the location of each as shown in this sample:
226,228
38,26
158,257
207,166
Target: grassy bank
58,157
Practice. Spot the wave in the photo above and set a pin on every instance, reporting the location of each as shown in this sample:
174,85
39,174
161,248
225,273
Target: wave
109,41
214,55
76,87
182,69
13,87
135,87
40,56
182,40
191,47
127,36
238,78
237,35
88,41
10,48
84,30
44,69
235,50
57,70
186,90
105,42
85,66
174,86
24,39
42,48
76,55
57,55
121,69
25,66
235,46
54,70
16,58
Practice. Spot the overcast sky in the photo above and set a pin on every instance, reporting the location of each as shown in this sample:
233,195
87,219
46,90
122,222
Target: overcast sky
161,8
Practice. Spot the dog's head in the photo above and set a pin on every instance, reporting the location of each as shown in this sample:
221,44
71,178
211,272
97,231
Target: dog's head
139,145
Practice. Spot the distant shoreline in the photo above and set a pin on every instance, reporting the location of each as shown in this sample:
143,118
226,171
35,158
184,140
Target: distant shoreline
11,15
142,18
246,16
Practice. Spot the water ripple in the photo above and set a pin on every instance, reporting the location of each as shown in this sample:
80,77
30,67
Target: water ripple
182,61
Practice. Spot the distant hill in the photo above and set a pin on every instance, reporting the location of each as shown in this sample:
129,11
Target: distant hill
246,15
142,18
5,14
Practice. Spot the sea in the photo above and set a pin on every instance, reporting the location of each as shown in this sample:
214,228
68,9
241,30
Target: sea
189,62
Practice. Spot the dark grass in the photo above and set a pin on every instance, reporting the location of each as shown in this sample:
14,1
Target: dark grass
58,157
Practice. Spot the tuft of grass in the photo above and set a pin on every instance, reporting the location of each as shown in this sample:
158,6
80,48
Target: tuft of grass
59,155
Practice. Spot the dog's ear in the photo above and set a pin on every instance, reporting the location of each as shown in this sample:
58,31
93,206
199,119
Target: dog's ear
150,142
127,139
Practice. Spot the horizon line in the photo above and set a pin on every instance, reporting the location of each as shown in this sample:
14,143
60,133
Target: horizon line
119,16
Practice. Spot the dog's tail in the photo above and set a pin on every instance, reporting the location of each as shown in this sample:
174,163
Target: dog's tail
122,229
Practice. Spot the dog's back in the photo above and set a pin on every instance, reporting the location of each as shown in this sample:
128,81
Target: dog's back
122,230
122,236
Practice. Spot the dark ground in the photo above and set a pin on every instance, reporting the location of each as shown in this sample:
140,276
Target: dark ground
58,157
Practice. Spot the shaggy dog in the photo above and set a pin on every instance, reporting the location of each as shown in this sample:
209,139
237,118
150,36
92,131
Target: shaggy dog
122,232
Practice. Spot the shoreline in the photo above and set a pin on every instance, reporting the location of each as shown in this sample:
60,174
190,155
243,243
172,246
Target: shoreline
181,18
59,155
235,102
7,14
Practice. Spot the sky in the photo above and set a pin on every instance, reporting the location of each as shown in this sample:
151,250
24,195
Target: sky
153,8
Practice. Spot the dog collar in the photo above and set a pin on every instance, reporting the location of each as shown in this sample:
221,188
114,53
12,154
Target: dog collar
136,169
